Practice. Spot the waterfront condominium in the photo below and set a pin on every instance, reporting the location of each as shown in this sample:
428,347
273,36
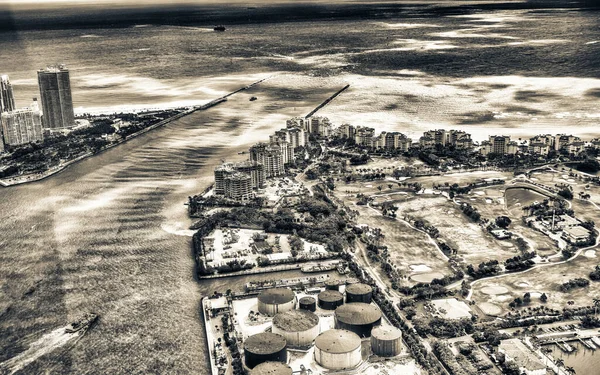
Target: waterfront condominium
22,126
55,93
7,100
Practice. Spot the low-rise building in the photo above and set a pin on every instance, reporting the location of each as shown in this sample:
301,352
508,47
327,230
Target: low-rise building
576,235
516,351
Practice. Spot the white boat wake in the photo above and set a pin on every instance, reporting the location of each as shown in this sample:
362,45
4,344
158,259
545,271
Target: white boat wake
44,345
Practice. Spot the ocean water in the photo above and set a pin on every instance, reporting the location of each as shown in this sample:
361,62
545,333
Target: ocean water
109,234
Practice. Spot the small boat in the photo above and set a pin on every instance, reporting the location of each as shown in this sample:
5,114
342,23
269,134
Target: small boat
219,28
82,323
253,98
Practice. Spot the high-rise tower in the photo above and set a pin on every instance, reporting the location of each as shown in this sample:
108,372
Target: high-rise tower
55,94
7,100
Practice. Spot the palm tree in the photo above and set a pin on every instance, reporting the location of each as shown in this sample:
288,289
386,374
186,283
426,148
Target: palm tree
559,362
571,370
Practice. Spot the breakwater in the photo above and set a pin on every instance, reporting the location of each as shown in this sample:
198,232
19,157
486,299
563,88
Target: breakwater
327,101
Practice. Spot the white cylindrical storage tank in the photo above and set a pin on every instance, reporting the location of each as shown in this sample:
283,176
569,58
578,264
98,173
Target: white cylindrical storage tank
386,341
338,349
299,327
276,300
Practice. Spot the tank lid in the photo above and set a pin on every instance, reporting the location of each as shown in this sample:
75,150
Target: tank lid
272,368
265,343
295,320
276,296
357,313
359,288
386,333
330,296
337,341
307,299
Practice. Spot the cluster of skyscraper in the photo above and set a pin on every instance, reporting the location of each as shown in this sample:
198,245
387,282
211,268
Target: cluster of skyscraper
27,125
239,181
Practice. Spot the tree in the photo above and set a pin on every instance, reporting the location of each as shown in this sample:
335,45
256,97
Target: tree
379,187
544,297
527,297
596,304
503,221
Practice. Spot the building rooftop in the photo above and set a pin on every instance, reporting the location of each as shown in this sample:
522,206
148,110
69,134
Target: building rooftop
337,341
577,231
521,354
295,320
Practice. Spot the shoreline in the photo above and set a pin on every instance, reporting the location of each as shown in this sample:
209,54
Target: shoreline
24,179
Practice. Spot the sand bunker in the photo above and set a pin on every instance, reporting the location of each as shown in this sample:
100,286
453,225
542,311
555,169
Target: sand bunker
419,268
590,254
426,277
490,308
522,284
494,290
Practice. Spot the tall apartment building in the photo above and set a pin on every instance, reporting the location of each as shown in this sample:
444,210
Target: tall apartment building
238,186
22,126
457,138
363,136
394,141
7,99
561,141
251,168
501,145
287,151
270,157
346,131
297,122
55,94
255,170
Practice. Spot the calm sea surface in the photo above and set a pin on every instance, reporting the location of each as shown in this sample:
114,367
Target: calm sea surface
110,234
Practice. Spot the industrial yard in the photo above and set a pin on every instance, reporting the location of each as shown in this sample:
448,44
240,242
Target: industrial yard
330,328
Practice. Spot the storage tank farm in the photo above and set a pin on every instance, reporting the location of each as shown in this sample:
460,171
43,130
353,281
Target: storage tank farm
358,317
272,368
330,299
338,349
386,341
276,300
359,293
298,327
307,303
264,347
